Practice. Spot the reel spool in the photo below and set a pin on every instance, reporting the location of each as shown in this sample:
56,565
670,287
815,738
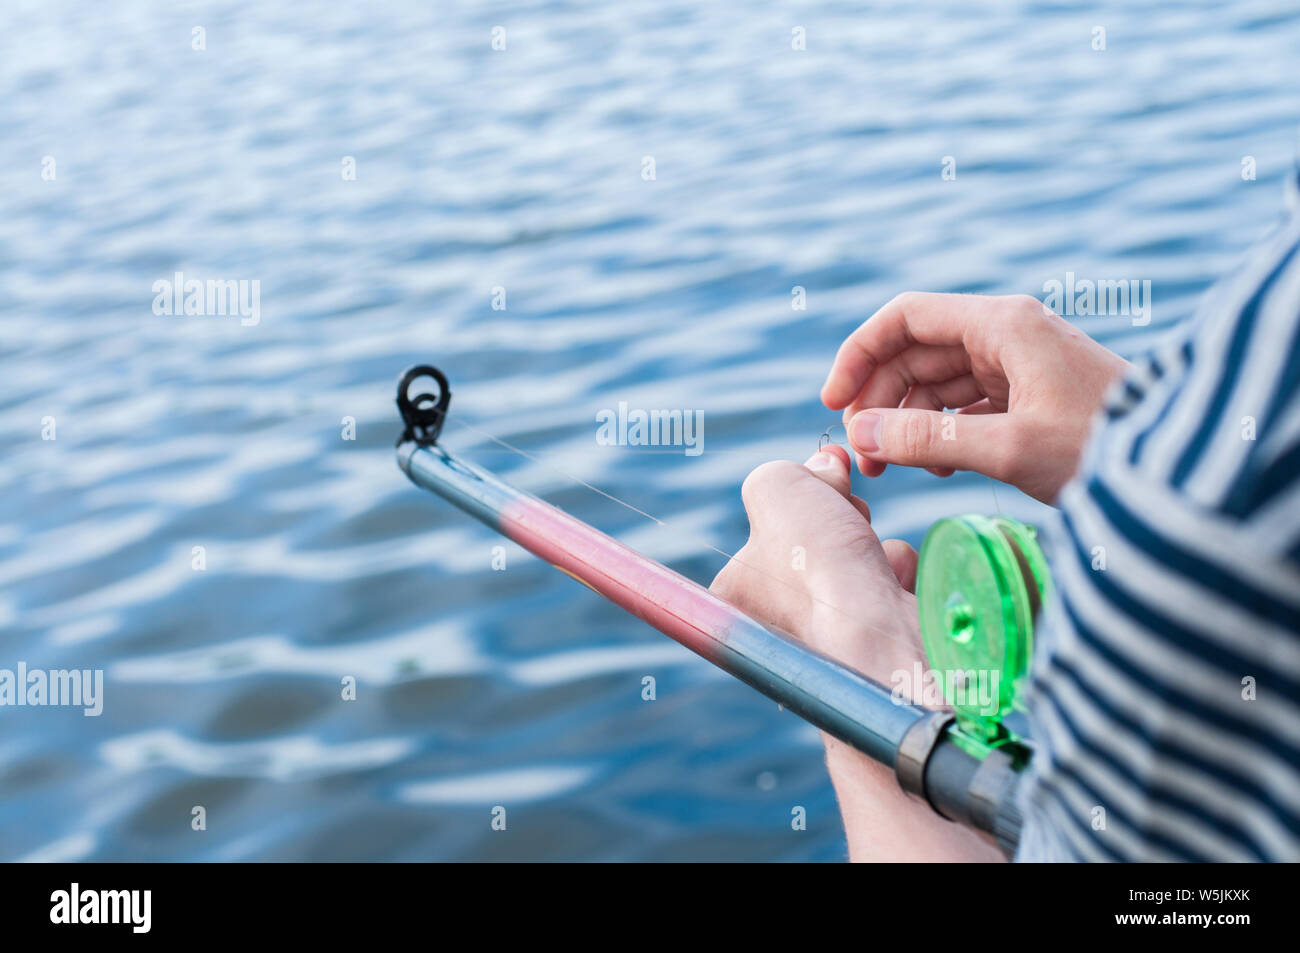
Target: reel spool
979,584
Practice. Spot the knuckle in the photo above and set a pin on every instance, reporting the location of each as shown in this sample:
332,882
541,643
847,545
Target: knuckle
763,479
915,435
905,300
724,583
1005,466
1011,455
1026,309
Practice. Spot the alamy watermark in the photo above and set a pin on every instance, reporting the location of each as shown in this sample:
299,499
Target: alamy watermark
1127,297
974,690
190,296
76,905
651,428
54,688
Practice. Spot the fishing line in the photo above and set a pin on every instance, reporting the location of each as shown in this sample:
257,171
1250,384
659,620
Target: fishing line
913,645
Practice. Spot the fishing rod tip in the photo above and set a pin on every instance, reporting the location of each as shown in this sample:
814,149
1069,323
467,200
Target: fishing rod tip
424,415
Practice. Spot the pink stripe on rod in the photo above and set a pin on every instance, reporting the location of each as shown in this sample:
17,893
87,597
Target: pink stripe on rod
826,693
973,788
674,605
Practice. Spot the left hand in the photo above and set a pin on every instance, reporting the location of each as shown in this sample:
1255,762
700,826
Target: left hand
815,568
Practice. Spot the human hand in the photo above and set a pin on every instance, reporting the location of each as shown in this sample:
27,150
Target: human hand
814,567
1024,381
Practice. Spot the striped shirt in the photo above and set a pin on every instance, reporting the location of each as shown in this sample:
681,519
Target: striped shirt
1164,698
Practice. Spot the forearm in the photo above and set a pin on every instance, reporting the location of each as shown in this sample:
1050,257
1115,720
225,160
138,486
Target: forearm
883,823
850,601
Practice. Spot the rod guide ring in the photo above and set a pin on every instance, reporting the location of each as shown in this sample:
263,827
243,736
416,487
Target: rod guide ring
425,414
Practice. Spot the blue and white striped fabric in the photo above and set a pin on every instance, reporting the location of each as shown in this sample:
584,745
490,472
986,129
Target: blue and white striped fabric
1165,694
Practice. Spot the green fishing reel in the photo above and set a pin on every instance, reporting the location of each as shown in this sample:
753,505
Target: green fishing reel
979,585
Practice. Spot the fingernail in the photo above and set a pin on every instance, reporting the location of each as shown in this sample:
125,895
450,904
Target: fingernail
864,429
820,461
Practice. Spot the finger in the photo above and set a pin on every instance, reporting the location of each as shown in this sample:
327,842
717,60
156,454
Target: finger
912,318
918,364
779,492
903,560
831,464
957,392
836,473
984,406
939,395
868,467
988,443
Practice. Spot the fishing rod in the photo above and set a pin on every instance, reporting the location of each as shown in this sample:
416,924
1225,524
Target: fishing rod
979,584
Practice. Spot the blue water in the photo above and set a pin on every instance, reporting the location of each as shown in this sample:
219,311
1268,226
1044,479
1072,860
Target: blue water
519,169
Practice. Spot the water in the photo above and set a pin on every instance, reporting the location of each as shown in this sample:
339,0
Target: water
519,169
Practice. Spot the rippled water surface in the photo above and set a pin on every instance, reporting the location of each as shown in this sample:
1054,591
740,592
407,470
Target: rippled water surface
519,169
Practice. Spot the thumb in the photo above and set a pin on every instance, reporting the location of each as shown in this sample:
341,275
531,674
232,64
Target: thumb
986,443
831,464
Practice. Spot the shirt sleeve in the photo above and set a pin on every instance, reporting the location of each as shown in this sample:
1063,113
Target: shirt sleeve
1164,699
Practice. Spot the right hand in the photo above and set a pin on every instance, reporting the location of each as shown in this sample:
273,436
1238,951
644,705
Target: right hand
1024,381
